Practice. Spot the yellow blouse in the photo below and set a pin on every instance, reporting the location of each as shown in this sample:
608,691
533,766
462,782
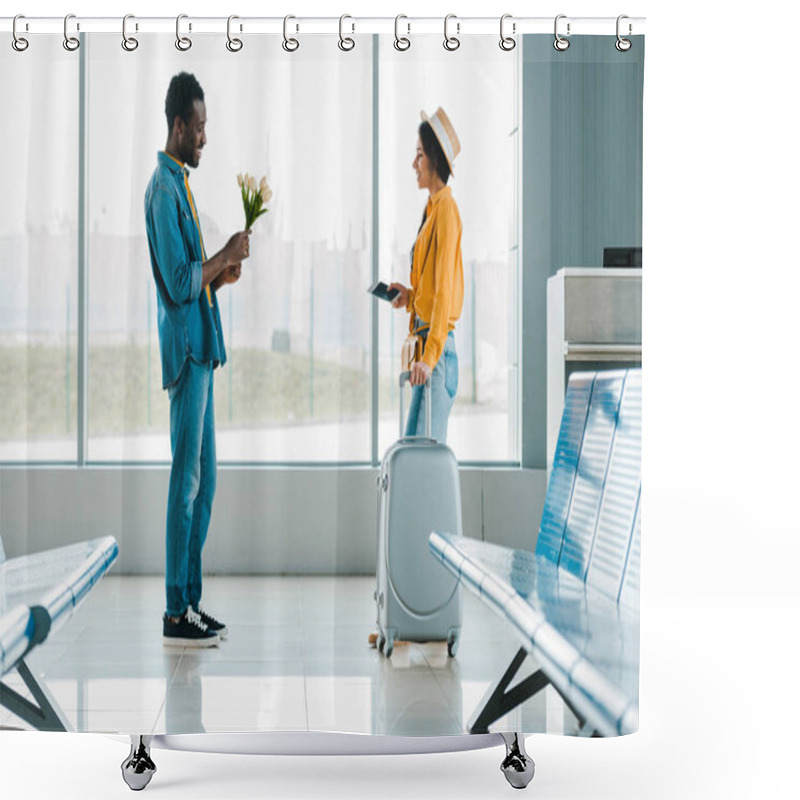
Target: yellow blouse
437,276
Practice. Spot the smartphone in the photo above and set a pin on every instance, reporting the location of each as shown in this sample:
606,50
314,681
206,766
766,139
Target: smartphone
381,290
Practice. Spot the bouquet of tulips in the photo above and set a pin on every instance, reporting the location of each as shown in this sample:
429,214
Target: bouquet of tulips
254,198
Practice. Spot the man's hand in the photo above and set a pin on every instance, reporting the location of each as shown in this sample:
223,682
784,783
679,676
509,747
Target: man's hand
401,301
230,274
226,266
238,248
420,372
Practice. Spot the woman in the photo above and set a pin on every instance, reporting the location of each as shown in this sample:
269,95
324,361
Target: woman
436,294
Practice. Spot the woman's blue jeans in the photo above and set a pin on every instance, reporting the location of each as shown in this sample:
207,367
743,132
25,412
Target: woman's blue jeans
444,384
192,483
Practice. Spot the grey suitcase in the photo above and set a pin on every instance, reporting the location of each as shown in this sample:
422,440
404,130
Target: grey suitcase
419,492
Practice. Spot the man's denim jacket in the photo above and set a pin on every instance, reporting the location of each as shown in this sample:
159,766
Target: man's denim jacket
188,325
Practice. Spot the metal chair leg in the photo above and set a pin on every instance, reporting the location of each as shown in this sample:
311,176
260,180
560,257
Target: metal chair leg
499,700
518,766
138,768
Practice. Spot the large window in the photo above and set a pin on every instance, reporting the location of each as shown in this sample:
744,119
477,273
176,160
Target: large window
39,217
337,150
476,86
297,325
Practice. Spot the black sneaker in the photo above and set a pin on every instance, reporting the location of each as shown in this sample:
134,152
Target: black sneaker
220,628
189,631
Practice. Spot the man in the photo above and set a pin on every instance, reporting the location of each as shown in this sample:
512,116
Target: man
192,346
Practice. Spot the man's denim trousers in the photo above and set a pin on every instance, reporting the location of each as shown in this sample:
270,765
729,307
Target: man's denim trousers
192,483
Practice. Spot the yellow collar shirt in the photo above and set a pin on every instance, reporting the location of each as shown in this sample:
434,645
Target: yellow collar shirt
437,275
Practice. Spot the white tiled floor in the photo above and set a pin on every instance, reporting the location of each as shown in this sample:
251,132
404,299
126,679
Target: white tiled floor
296,659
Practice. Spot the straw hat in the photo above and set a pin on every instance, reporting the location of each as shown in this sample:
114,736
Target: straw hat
445,133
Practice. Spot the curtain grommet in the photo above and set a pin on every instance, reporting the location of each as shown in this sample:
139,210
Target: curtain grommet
289,44
346,43
71,43
451,43
560,43
19,43
129,43
401,43
233,44
622,44
507,43
183,43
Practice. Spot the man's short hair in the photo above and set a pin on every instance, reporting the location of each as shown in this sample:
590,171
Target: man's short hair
183,91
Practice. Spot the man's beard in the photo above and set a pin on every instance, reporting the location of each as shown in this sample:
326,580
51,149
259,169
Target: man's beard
188,157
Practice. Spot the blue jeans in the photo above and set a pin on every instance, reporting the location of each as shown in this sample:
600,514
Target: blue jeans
192,483
444,384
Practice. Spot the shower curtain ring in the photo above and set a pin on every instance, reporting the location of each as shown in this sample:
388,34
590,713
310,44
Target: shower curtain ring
507,42
183,43
561,44
129,43
19,43
623,45
401,43
451,42
70,42
289,44
345,42
233,44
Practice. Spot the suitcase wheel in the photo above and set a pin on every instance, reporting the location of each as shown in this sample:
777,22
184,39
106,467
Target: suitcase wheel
452,644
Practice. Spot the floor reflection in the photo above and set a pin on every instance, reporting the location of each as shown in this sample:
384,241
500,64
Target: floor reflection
296,658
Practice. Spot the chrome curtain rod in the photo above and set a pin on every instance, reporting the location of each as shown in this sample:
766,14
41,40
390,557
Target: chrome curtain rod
349,25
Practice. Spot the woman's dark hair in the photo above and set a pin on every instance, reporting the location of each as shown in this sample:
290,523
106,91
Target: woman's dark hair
183,91
432,148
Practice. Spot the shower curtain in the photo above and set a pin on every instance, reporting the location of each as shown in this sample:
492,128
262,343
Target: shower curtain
548,177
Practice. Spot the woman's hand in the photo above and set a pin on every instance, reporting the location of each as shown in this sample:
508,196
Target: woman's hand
420,372
401,301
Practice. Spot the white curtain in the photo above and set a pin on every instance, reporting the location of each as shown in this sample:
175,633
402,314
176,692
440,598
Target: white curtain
477,87
303,121
38,264
298,326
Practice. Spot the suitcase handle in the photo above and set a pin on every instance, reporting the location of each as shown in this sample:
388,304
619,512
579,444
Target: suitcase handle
405,377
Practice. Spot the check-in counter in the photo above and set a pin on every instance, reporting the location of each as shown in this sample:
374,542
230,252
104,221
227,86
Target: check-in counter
594,321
